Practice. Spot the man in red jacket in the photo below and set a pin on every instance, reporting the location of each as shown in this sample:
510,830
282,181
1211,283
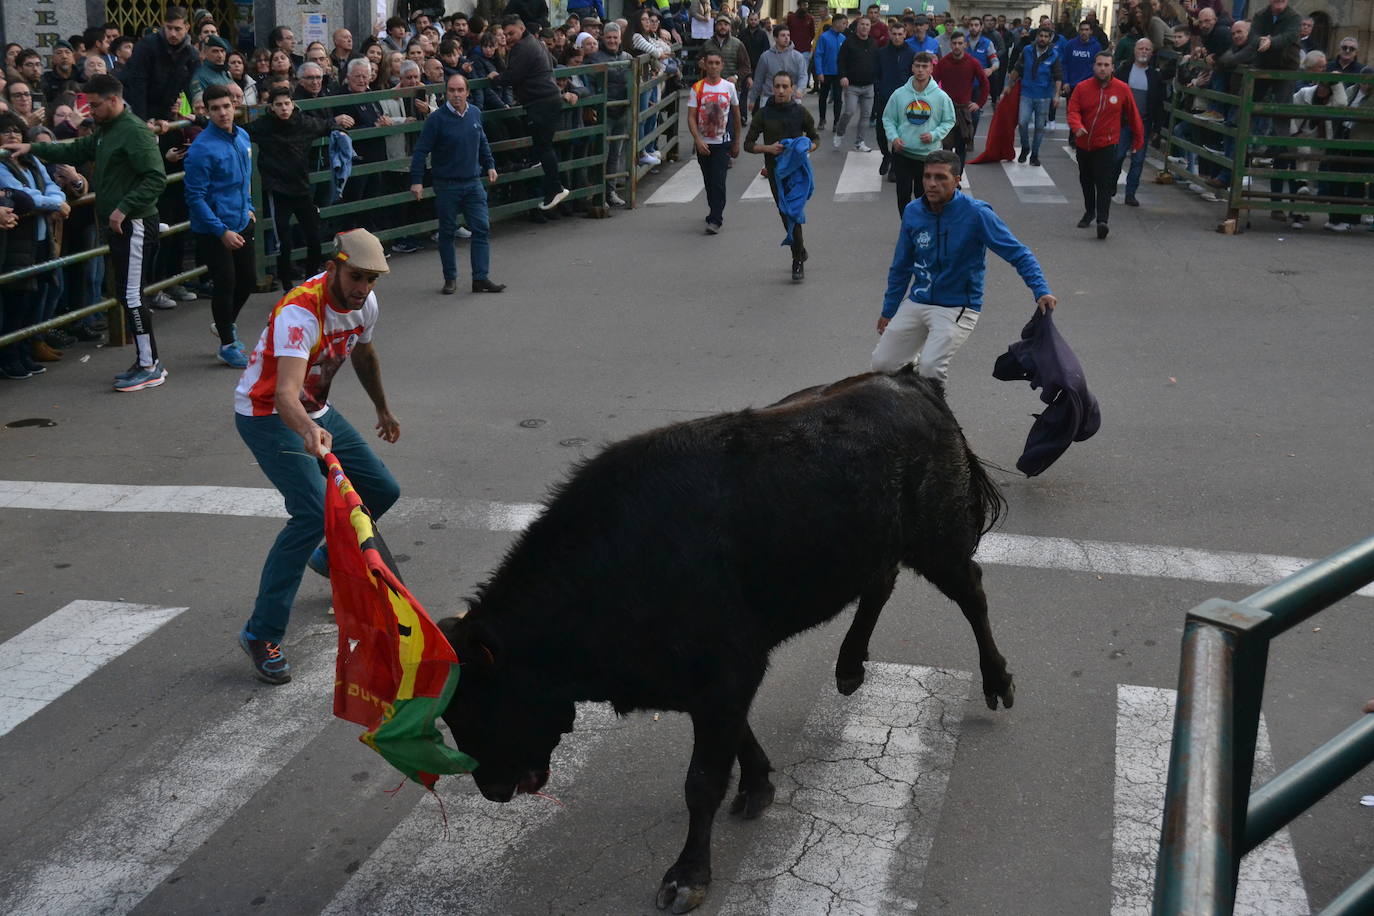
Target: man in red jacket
1098,108
962,77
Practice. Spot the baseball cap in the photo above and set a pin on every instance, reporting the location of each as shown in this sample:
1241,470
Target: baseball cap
360,248
723,18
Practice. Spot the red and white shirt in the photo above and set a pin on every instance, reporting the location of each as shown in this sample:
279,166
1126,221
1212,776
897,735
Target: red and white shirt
710,104
307,325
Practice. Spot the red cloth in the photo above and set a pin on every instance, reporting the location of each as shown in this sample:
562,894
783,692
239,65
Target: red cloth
802,27
1101,110
958,76
1001,142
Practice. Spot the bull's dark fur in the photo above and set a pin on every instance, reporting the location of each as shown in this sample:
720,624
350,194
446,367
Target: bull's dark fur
664,570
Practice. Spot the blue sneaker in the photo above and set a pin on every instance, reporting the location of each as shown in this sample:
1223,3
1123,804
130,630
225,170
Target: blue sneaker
143,377
269,664
319,561
232,355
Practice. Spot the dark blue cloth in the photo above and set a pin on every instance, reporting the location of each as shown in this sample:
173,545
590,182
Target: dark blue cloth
340,163
795,181
1043,357
456,145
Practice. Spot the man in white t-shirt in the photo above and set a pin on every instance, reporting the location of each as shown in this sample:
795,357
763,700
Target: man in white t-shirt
282,411
713,118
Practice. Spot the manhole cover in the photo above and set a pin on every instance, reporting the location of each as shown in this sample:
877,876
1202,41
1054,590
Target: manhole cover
31,421
532,424
572,443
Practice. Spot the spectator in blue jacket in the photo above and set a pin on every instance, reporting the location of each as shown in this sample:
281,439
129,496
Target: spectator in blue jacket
1078,56
218,185
826,62
1041,74
460,157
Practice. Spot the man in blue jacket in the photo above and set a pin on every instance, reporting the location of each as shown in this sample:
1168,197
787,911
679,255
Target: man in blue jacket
218,182
826,61
935,285
461,157
1041,73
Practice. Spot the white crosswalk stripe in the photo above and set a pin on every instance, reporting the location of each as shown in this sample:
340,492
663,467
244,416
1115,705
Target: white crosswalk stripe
682,187
1033,184
758,189
143,831
859,807
1270,883
860,179
54,655
416,871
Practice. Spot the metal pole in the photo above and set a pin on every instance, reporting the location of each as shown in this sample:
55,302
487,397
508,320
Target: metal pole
1197,845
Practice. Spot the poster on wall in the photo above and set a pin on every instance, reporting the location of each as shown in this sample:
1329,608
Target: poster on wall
314,27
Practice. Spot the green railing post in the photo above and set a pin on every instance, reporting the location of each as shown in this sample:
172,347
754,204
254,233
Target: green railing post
1241,147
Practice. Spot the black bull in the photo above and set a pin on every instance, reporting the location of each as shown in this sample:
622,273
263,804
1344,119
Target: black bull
664,570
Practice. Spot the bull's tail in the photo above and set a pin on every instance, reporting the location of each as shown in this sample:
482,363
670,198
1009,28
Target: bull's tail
989,503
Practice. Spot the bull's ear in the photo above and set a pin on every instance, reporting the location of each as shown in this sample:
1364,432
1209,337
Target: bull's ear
469,641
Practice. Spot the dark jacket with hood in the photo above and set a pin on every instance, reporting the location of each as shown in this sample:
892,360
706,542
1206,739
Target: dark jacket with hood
157,74
1153,112
1044,358
285,153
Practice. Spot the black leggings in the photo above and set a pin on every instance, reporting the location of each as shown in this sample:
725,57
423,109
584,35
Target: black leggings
285,206
831,87
1097,174
234,274
910,174
544,117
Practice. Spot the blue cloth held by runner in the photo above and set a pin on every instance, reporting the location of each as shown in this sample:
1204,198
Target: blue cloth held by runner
795,181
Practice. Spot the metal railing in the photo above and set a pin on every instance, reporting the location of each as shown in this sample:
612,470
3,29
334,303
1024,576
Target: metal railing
656,119
1253,143
1211,819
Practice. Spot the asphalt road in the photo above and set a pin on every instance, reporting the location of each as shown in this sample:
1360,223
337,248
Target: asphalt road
1233,378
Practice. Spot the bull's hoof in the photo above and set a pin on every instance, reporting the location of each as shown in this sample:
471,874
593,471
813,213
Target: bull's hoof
750,804
1007,695
847,684
680,898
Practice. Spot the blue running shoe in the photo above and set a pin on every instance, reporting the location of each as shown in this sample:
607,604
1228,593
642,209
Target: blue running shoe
319,561
145,377
269,665
232,356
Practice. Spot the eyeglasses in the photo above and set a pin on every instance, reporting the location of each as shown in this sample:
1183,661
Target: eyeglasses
1351,48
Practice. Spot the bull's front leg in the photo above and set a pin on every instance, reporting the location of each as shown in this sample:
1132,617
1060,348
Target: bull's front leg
849,665
717,739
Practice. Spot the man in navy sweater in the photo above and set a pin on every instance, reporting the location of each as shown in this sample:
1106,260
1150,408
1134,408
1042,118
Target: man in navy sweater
453,136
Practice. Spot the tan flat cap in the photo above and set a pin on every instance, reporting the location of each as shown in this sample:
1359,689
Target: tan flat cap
361,249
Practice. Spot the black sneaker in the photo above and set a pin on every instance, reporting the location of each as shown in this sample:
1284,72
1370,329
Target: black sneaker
883,166
1035,160
1102,230
1086,221
269,665
798,271
1025,154
558,197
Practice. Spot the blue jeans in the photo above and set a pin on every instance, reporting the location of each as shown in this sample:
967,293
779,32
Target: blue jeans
469,198
1123,152
299,478
1039,110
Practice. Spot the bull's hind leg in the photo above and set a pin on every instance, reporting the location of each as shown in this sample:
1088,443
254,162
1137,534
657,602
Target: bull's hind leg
755,788
964,586
849,666
717,736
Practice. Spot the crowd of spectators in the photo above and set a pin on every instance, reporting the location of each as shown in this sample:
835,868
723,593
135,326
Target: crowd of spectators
165,72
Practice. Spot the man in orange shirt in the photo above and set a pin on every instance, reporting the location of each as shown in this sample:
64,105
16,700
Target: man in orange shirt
282,411
1098,108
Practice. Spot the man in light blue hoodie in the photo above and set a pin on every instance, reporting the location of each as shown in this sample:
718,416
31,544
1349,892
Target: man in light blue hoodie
935,285
218,182
916,118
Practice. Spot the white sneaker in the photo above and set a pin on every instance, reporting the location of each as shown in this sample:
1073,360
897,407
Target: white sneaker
1337,227
464,232
649,158
1197,188
614,199
1296,224
163,301
1051,126
862,147
836,140
1210,197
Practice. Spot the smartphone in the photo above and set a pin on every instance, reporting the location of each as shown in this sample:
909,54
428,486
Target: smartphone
81,100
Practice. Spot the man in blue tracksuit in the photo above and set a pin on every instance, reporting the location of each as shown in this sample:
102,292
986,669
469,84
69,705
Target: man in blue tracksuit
461,157
935,285
826,62
218,183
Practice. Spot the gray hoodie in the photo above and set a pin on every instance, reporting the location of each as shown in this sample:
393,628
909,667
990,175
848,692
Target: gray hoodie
771,63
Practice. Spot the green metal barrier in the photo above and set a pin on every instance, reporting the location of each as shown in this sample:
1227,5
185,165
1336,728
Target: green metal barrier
513,193
654,119
1211,819
1256,157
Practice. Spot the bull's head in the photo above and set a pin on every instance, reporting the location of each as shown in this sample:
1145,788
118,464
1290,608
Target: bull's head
499,715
